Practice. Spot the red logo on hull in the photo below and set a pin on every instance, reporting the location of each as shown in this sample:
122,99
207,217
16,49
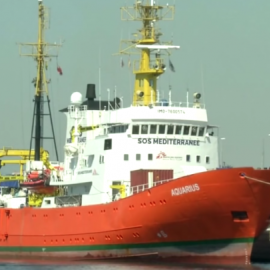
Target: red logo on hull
161,155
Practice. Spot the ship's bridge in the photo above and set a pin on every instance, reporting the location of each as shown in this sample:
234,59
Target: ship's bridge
159,112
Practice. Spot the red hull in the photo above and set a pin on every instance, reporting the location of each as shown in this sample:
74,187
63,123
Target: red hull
167,221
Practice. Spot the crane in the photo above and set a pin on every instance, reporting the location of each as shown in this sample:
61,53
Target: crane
80,130
24,154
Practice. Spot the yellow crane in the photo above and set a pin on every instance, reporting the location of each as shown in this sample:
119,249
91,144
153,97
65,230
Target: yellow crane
25,155
81,130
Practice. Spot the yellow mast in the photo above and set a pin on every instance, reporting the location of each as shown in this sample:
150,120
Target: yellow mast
146,70
41,56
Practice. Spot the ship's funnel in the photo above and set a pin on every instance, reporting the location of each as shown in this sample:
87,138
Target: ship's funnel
91,91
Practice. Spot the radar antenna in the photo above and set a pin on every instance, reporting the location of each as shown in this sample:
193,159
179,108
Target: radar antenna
147,41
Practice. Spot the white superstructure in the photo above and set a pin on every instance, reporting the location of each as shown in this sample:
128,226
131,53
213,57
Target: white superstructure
104,146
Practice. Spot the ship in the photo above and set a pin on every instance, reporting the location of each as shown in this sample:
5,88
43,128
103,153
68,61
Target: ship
142,181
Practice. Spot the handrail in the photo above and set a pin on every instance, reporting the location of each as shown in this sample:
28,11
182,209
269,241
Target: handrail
140,188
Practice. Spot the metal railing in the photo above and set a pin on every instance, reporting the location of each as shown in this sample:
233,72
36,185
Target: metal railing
68,201
143,187
178,104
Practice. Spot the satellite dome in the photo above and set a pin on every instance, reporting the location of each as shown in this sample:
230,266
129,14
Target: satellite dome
76,98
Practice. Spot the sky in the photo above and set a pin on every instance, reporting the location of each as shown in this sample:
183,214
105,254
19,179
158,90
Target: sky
225,55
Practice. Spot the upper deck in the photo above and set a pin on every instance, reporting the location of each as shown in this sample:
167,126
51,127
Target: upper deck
160,111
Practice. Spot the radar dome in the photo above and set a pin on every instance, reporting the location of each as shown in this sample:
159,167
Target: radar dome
76,98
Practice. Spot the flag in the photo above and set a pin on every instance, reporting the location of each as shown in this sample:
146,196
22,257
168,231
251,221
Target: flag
59,70
171,66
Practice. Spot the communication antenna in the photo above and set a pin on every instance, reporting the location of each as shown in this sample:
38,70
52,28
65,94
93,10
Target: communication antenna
40,53
147,43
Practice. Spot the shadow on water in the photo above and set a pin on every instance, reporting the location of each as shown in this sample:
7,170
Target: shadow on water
261,248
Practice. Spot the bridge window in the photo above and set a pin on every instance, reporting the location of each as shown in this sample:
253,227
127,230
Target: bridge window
118,129
194,131
207,160
210,131
126,157
188,158
170,129
153,129
135,129
150,156
186,130
201,131
123,128
144,129
178,130
111,130
108,144
198,159
138,156
161,129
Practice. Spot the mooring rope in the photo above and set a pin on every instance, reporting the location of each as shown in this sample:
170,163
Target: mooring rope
256,180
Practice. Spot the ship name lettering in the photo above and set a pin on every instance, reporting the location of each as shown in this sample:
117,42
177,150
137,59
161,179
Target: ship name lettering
186,189
80,140
168,141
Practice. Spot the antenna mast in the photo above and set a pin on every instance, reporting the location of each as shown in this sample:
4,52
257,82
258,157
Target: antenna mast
147,41
41,56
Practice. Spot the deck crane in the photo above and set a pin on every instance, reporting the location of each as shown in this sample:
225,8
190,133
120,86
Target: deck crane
24,154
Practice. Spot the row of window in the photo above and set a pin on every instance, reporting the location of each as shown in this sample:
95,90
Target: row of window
198,159
168,129
138,157
87,162
117,129
160,129
150,157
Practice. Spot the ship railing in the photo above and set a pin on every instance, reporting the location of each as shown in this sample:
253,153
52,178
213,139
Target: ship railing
174,104
63,201
143,187
154,65
178,104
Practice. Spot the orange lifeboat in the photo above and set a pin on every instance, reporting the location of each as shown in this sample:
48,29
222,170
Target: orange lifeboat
38,182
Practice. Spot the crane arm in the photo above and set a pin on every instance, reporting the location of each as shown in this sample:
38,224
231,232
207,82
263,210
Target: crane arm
81,130
9,152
